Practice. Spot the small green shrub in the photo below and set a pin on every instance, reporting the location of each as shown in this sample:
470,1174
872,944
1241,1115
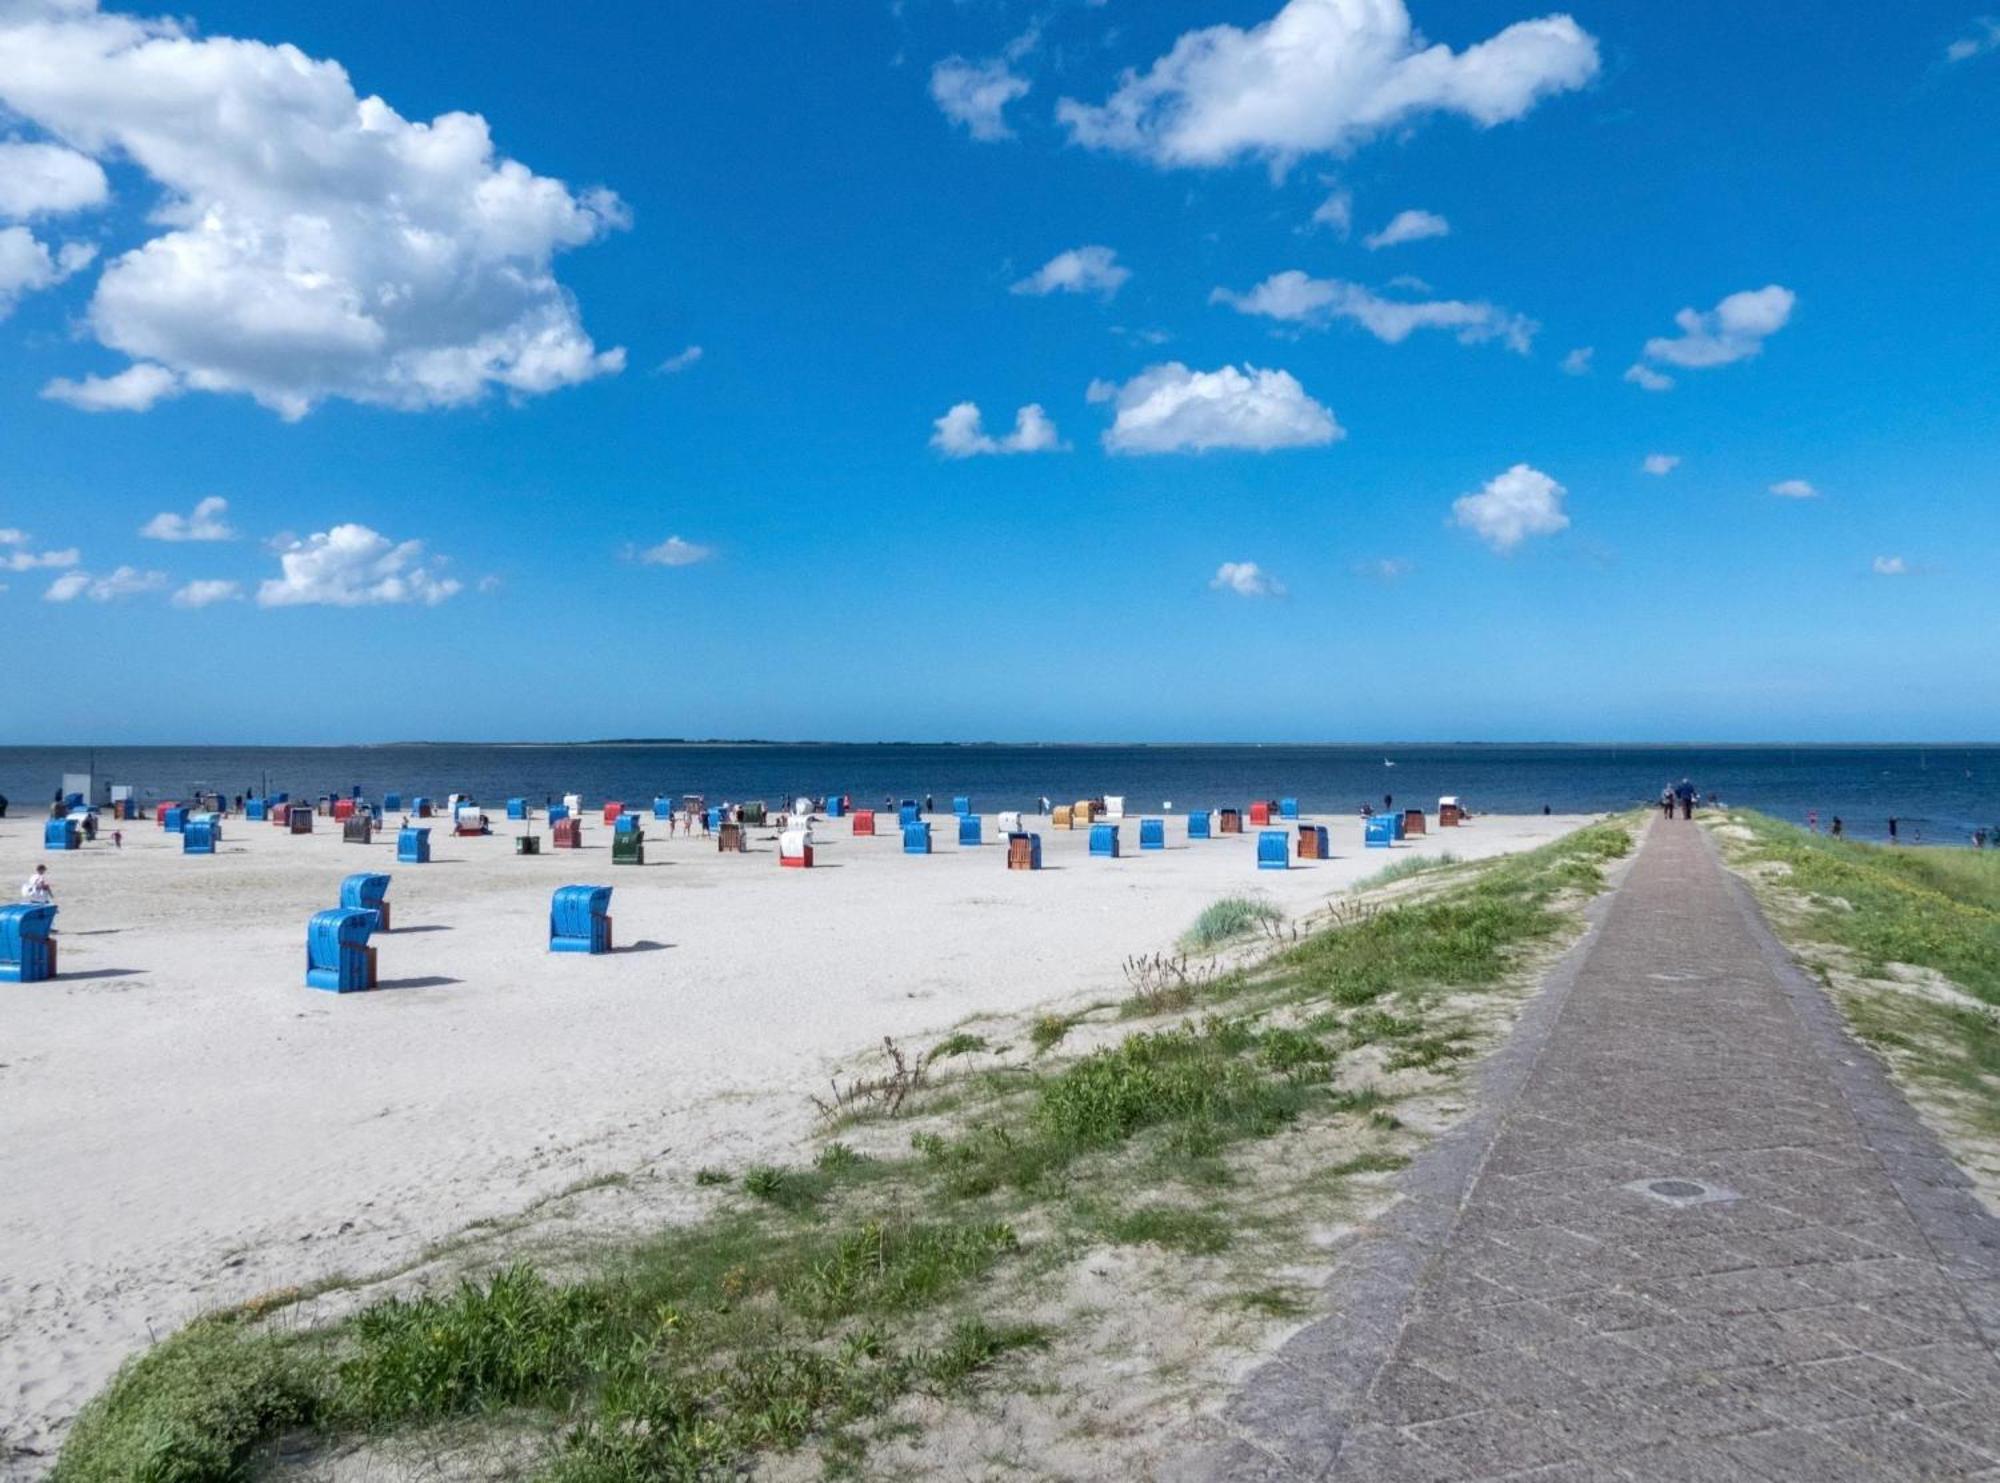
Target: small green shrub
1230,918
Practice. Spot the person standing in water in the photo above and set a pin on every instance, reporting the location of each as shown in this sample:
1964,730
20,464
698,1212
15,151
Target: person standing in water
1892,829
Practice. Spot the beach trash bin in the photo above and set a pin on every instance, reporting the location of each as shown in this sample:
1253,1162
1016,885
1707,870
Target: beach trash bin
795,849
907,812
174,820
413,846
62,834
527,844
916,838
1062,818
367,890
1152,834
1104,840
392,800
1313,842
1198,825
663,809
567,834
198,837
517,808
1288,808
628,847
1260,813
299,818
961,806
864,821
358,830
1413,821
1024,852
1449,813
580,920
968,829
338,957
27,951
1378,831
1274,850
836,806
1228,821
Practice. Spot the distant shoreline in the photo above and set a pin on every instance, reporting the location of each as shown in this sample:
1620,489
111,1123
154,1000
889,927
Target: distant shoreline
771,742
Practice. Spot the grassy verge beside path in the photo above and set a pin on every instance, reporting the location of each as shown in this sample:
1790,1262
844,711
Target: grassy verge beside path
1213,1129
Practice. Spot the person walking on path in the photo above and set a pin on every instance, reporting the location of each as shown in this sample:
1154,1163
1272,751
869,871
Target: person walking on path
1667,800
1685,792
36,890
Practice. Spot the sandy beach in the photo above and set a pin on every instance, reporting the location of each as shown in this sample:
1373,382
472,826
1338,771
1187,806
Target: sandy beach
187,1125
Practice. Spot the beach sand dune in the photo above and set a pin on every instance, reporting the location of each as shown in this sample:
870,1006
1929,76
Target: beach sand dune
187,1125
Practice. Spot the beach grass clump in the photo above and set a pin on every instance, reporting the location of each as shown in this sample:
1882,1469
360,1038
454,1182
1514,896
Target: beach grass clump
1226,920
1407,868
1176,1228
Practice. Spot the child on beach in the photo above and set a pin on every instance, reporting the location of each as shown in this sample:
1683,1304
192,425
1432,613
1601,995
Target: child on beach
36,890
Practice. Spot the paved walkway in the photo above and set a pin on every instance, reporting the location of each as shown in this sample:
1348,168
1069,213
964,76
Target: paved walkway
1693,1234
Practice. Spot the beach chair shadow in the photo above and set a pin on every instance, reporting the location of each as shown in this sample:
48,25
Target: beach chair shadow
426,927
428,981
68,977
643,945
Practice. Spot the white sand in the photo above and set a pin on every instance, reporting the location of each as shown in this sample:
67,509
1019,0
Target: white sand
186,1125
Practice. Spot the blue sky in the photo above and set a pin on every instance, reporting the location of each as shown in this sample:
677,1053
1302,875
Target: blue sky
1282,485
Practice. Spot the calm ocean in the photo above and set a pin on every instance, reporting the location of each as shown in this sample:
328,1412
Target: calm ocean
1943,792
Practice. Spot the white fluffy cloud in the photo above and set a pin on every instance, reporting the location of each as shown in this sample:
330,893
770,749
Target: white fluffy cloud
961,433
1336,212
27,266
1890,566
352,566
1246,579
1323,76
1081,270
1661,463
1983,38
1171,409
1794,489
1407,226
312,242
125,581
1577,362
209,522
1512,506
1294,298
48,180
1733,330
133,389
206,593
1648,379
976,94
673,551
20,559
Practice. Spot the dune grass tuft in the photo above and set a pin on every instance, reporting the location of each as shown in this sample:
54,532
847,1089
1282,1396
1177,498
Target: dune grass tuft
1226,920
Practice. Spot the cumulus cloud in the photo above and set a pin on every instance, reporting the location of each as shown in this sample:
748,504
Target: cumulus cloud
1081,270
961,433
352,566
673,551
1512,506
125,581
1246,579
1733,330
135,389
209,522
206,593
21,559
976,94
27,266
48,180
1648,379
674,364
1407,226
1890,566
1794,489
1577,362
1292,297
1323,76
1335,212
1661,463
1983,38
310,242
1171,409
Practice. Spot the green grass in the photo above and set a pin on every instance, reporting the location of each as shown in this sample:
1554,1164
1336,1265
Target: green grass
1228,919
1048,1030
813,1299
1405,869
